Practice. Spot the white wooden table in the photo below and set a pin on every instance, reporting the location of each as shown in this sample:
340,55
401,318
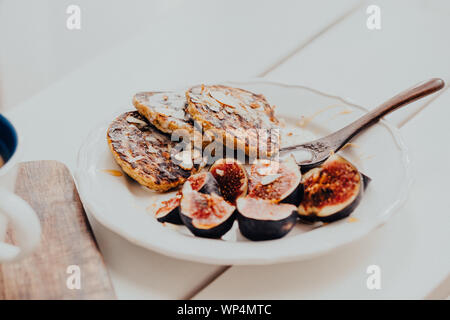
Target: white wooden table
321,44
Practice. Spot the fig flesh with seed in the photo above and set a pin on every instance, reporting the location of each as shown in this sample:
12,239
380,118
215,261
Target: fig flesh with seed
331,191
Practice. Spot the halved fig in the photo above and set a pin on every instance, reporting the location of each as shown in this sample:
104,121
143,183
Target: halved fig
366,180
204,182
332,190
276,181
231,177
261,219
169,211
208,216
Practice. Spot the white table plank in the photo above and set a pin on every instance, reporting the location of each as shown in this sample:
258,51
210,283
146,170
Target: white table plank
370,66
38,49
413,248
203,39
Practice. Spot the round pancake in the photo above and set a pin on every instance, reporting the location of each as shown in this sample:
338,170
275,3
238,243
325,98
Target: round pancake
240,117
145,153
164,110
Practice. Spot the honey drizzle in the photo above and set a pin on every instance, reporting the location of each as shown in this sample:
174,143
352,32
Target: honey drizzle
115,173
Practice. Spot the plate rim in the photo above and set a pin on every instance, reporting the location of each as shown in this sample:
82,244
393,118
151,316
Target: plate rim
380,220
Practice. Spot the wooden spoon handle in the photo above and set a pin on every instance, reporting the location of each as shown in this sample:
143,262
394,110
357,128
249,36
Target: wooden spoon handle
423,89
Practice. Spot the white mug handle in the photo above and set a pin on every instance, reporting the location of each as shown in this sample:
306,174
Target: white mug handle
24,222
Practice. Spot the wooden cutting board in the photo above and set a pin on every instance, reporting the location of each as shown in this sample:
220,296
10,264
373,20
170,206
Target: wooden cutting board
68,251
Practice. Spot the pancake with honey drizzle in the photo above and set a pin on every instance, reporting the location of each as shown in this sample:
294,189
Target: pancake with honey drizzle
244,118
164,110
147,155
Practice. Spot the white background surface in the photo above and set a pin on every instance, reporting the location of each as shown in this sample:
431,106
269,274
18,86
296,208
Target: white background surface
37,49
66,80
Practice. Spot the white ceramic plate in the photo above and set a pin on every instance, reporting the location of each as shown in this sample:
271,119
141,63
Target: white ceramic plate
127,208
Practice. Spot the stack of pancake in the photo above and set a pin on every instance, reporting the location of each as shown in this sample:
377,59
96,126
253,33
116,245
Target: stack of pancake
160,144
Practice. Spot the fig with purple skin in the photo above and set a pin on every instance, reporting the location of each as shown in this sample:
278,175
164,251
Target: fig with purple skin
169,210
231,177
276,181
261,219
331,191
202,182
206,215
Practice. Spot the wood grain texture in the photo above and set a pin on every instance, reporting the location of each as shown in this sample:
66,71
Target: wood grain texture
67,240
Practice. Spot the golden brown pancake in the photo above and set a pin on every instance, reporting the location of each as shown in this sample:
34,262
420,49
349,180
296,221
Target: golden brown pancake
238,116
164,110
146,154
167,112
